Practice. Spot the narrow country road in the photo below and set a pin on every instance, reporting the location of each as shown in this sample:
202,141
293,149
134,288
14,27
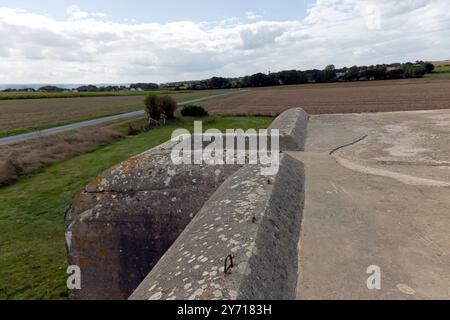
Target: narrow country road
88,123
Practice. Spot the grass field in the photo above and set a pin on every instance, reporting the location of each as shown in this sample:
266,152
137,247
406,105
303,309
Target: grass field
46,126
362,96
442,69
51,95
431,92
33,256
441,63
26,115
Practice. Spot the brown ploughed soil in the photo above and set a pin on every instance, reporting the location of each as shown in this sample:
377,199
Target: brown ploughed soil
354,97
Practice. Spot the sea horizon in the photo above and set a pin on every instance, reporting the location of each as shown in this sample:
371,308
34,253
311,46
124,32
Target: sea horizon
67,86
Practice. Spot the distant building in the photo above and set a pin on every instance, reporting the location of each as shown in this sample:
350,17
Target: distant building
389,69
340,75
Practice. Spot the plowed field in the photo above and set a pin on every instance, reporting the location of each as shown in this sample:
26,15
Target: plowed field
355,97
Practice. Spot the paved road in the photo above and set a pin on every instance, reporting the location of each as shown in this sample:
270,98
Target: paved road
88,123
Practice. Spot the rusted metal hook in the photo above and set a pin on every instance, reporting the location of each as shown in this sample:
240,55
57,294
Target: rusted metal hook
227,268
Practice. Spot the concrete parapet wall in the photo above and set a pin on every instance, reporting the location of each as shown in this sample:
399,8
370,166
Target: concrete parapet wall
254,219
292,125
124,221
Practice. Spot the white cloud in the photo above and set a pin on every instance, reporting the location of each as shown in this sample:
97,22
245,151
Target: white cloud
75,13
89,47
250,15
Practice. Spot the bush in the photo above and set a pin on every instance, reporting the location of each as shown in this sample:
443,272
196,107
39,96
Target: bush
194,111
429,67
132,131
153,106
158,107
9,171
168,106
412,71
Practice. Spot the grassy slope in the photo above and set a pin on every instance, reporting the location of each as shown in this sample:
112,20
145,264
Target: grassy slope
442,69
441,73
32,250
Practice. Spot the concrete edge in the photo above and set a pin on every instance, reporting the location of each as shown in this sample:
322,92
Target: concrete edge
124,193
252,221
125,220
292,125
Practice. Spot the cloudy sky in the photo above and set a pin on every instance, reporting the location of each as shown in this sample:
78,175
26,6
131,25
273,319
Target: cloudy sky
109,41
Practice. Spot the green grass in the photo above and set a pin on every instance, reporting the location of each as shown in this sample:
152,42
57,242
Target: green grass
442,69
177,95
9,133
32,248
52,95
49,95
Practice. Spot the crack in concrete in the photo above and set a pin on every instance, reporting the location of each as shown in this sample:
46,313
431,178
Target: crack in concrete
403,178
410,163
348,144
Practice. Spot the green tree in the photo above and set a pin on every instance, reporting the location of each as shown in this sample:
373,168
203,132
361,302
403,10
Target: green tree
262,80
153,108
218,83
429,67
413,71
352,74
291,77
329,74
159,108
168,106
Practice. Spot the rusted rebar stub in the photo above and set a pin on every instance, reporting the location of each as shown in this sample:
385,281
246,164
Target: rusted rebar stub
227,268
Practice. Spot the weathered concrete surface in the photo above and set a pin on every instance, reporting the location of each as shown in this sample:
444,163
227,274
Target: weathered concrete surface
381,201
404,143
292,125
254,218
129,216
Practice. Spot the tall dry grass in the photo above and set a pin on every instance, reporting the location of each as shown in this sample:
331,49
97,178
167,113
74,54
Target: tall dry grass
19,159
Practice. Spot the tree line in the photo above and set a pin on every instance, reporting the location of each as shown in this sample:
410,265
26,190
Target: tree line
327,75
91,88
287,77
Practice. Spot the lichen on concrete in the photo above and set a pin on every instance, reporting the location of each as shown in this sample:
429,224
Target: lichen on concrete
255,219
130,216
124,221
